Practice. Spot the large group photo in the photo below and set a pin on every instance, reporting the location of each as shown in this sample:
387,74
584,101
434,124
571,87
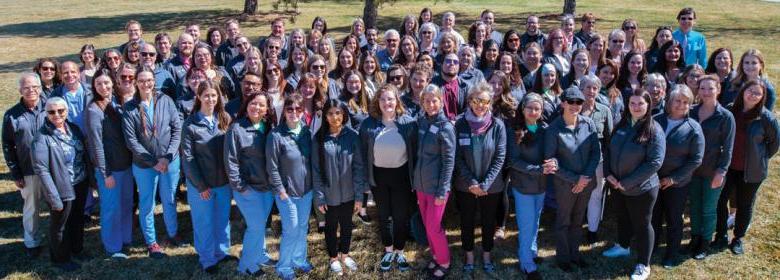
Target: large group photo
402,139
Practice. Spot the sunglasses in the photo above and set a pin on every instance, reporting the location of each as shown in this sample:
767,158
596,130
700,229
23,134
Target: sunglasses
44,68
575,102
294,109
478,101
451,61
271,71
618,41
686,18
273,48
148,54
127,77
114,58
318,67
514,40
57,112
426,32
396,78
629,27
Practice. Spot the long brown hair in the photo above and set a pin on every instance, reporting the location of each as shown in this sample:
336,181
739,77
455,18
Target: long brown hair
357,103
223,117
739,103
270,116
646,124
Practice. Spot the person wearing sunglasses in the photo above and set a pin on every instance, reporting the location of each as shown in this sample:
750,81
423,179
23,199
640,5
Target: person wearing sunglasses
387,137
236,65
480,155
694,45
288,161
277,32
111,60
387,55
454,88
20,124
59,159
572,145
152,129
163,81
684,153
635,154
633,41
111,159
48,71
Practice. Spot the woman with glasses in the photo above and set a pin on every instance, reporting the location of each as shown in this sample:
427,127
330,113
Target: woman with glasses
615,43
89,63
244,153
112,159
556,52
751,67
633,41
48,71
387,137
59,158
636,152
511,42
572,145
203,59
479,159
428,34
288,161
152,129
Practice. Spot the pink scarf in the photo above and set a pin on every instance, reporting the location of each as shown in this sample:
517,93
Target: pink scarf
479,125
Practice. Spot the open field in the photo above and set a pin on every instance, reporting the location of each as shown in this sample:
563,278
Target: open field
56,28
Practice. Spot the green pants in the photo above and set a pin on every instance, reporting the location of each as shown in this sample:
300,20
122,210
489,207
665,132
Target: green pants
703,206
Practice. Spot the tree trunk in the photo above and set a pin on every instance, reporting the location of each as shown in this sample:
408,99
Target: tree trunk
369,13
250,7
569,6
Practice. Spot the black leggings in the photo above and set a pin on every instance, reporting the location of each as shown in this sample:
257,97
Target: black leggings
393,196
66,229
634,214
745,200
669,208
467,206
335,217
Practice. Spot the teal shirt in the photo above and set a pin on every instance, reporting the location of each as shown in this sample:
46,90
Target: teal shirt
477,142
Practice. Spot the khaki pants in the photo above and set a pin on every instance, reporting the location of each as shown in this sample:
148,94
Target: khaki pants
33,199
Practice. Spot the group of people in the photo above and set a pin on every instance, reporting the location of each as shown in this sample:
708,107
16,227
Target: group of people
562,120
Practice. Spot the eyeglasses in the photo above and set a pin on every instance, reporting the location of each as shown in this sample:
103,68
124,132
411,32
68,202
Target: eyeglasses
514,40
618,41
451,61
391,40
45,68
57,112
478,101
396,78
148,54
127,77
686,18
273,47
629,27
426,32
29,88
574,102
271,71
293,109
318,67
591,22
116,58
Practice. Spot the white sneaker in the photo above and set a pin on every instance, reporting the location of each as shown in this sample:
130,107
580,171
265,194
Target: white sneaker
641,272
350,263
616,251
335,268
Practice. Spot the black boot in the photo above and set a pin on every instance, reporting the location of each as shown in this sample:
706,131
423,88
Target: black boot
693,244
721,242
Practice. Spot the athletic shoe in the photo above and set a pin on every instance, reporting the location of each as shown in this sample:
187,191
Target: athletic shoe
365,219
155,251
118,256
500,234
400,259
335,268
616,251
736,246
350,264
387,261
592,237
641,272
269,263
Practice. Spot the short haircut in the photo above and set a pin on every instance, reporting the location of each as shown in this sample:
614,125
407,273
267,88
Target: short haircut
56,100
27,75
686,11
131,22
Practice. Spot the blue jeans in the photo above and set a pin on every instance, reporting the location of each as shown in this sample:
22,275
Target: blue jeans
116,210
528,208
294,212
210,223
255,206
147,180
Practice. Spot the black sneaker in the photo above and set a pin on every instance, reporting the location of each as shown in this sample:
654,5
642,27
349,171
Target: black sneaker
538,260
581,263
320,228
565,266
592,237
693,245
700,253
365,219
721,243
211,270
33,252
534,275
176,241
736,246
227,258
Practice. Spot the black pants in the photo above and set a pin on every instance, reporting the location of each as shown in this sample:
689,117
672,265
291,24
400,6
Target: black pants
502,214
467,206
634,215
66,229
393,196
745,200
336,217
568,221
669,208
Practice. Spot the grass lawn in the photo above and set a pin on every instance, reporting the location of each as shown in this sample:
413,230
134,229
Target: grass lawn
34,28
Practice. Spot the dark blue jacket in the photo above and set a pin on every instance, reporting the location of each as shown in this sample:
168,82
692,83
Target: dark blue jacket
718,130
245,156
20,125
633,164
202,152
50,164
370,127
684,150
162,140
763,141
342,178
288,161
525,162
463,91
494,155
577,151
435,157
105,139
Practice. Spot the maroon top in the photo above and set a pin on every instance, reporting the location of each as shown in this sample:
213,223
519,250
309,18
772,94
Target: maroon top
450,90
740,140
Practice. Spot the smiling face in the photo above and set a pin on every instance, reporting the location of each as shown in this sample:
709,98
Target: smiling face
431,104
253,61
672,54
232,30
635,64
753,96
679,106
251,84
194,31
549,78
148,55
346,59
532,111
513,42
293,114
616,43
186,44
30,90
48,71
407,47
69,72
451,65
335,118
723,62
606,75
581,62
590,91
751,66
307,90
203,58
208,100
388,102
145,82
133,32
637,106
88,56
57,114
505,65
686,21
418,81
396,77
164,45
242,44
532,25
497,83
272,72
257,108
708,90
369,65
480,104
532,56
663,37
104,86
353,84
318,68
126,80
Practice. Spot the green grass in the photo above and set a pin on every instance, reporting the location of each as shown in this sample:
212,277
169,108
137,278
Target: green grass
33,29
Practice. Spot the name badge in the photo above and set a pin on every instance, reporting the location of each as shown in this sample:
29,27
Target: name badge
434,129
464,141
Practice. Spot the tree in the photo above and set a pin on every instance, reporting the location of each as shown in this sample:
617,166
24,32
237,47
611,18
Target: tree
370,13
250,7
569,6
